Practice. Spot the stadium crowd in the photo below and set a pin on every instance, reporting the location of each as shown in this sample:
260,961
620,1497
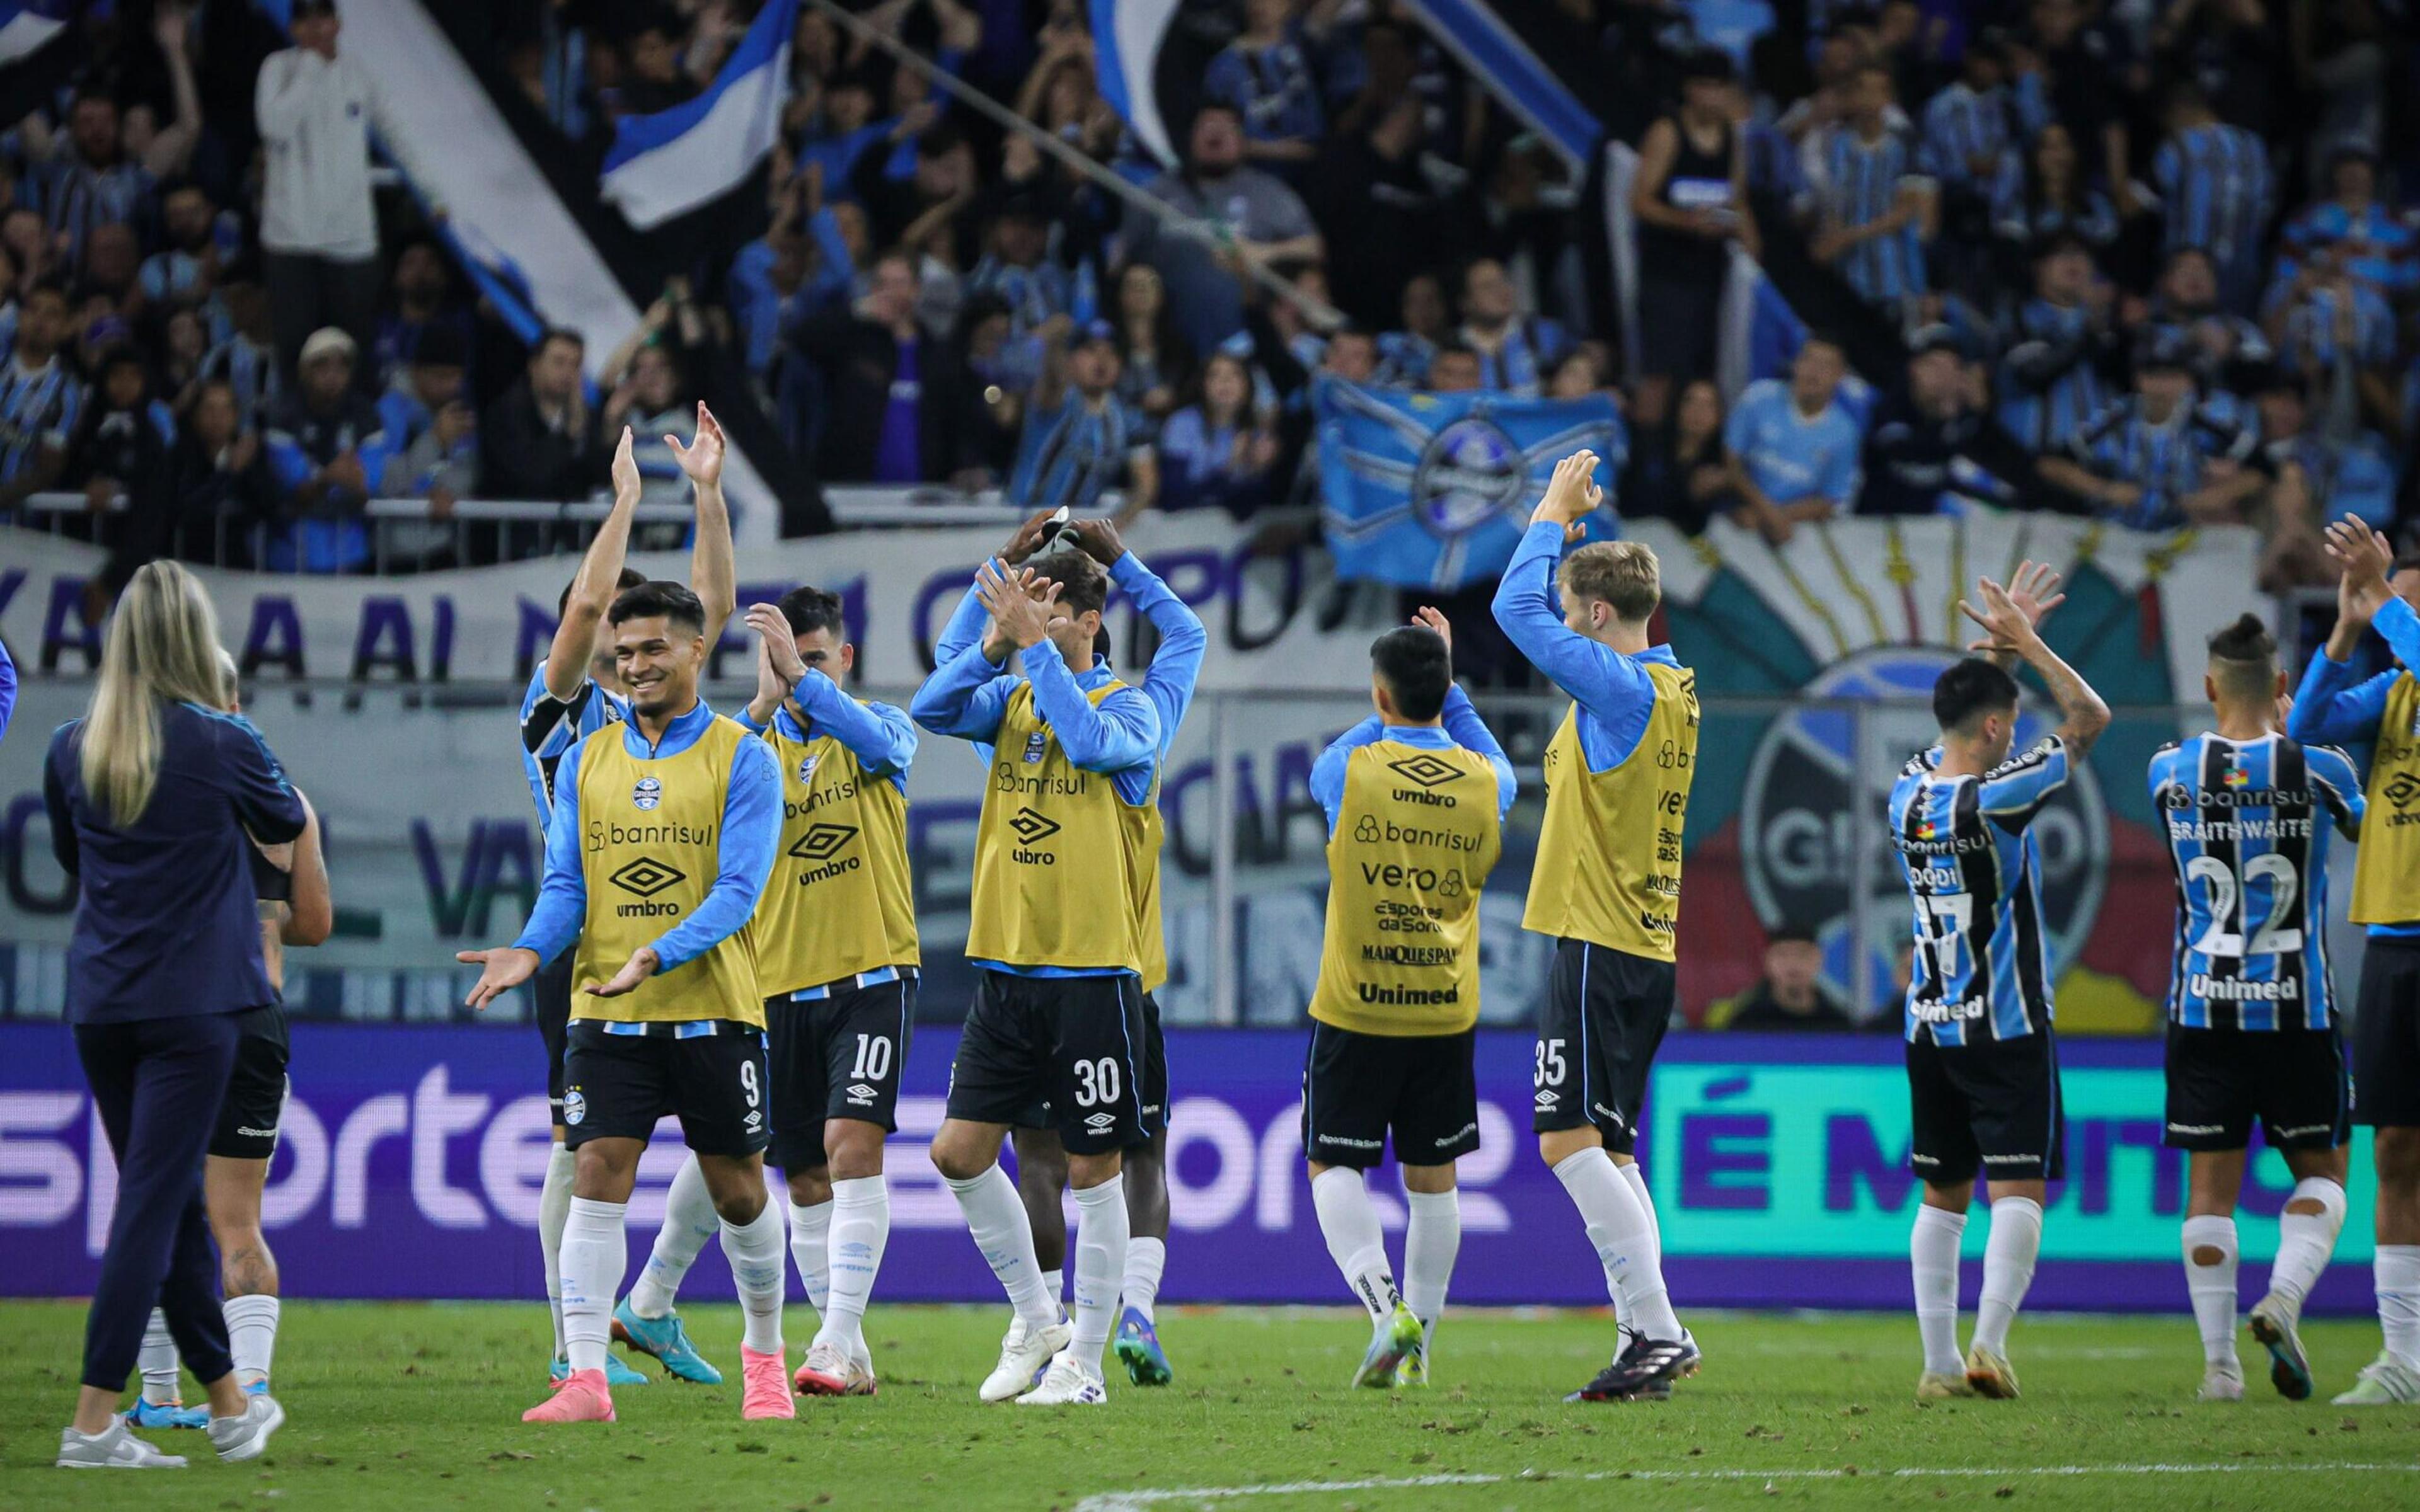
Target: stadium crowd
2144,259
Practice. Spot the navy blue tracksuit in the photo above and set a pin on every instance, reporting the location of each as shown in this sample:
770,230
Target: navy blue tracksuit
164,963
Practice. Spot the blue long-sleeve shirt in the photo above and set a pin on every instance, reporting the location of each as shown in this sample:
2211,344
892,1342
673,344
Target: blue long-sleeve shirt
881,737
751,833
1462,727
166,923
1615,693
2331,709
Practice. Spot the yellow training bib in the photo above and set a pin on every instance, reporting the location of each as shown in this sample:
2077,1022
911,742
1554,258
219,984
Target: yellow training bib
1145,831
650,851
1609,852
841,899
1415,835
1052,883
2386,878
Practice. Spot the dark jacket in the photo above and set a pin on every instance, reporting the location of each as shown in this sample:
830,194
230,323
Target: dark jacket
857,359
1912,460
521,457
126,445
166,925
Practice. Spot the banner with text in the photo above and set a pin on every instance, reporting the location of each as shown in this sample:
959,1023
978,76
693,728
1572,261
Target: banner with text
412,1159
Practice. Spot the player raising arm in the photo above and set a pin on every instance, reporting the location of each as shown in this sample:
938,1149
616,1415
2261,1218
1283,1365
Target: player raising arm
1608,889
2378,592
2252,1021
1058,1008
1415,797
1982,1069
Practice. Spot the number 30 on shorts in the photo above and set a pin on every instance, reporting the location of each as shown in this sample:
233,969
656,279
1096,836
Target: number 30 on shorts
1551,1065
1100,1082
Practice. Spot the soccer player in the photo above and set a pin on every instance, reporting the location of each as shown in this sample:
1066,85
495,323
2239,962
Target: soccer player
1608,889
1056,1015
2378,591
1982,1069
837,958
576,693
2251,1022
292,880
1041,1160
683,814
1415,796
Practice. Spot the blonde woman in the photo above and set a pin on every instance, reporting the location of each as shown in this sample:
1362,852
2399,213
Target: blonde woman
155,798
291,881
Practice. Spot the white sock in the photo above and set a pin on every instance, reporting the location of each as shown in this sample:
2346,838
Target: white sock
252,1335
1350,1225
860,1226
1623,1236
811,1249
689,1221
2212,1288
1932,1256
755,1250
553,1206
158,1361
2306,1240
1103,1232
2398,1270
1431,1242
1636,1175
1055,1283
2007,1268
997,1219
1145,1260
593,1261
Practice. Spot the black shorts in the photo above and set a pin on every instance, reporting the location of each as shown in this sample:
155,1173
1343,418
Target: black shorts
255,1094
1063,1053
616,1086
1357,1087
2387,1035
1605,1013
835,1058
1992,1106
2293,1080
1154,1072
551,997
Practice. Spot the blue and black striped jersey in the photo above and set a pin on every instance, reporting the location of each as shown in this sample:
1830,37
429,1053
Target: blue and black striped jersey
1981,969
551,725
2247,824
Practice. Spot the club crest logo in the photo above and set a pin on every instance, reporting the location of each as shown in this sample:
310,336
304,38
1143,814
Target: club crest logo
1037,745
646,793
575,1105
807,768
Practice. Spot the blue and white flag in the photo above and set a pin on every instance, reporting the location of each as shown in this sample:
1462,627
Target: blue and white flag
1494,53
38,51
1432,490
674,161
1126,36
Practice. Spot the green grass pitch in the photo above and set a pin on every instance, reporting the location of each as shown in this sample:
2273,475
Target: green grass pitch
418,1406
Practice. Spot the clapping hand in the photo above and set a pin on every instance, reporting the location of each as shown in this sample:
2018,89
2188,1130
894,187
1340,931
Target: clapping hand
1024,608
1428,618
702,458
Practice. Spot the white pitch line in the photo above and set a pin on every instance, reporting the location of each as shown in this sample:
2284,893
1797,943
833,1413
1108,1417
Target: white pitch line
1130,1500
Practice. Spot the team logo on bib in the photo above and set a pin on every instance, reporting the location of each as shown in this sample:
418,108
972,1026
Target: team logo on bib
807,768
1036,745
575,1106
646,793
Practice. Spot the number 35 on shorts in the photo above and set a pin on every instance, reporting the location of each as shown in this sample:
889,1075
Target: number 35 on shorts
1552,1067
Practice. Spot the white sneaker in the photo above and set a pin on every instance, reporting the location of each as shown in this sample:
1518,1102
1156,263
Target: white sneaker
1024,1351
2384,1382
1068,1382
112,1448
2221,1383
245,1435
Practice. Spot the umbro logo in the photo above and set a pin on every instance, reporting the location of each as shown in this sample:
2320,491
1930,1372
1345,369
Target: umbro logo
1101,1122
646,876
1428,771
859,1092
1031,826
2402,790
1546,1101
822,842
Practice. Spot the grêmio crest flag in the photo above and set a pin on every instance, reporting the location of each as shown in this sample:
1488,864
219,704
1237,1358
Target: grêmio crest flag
1432,490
